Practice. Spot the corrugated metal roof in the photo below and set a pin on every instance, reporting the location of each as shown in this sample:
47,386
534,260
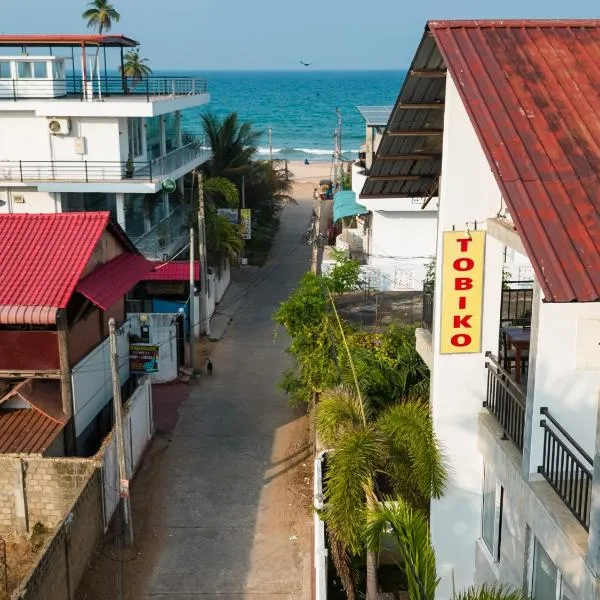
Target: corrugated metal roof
111,281
177,270
69,40
31,430
42,257
532,91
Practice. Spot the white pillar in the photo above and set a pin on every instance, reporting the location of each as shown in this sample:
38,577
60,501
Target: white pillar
121,209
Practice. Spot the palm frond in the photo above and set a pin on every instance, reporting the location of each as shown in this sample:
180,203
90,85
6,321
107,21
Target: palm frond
224,189
349,475
410,530
485,592
337,413
409,428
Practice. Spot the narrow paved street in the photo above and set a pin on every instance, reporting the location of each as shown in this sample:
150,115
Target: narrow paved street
231,512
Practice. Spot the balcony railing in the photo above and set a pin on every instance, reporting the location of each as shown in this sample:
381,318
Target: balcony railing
517,300
167,236
98,171
427,314
150,88
505,400
567,468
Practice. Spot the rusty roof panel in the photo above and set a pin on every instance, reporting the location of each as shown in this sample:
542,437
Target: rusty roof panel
532,92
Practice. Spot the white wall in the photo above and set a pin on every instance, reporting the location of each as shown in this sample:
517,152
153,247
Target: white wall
565,372
34,201
92,382
468,193
358,179
163,333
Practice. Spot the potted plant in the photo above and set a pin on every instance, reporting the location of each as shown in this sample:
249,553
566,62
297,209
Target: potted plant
129,167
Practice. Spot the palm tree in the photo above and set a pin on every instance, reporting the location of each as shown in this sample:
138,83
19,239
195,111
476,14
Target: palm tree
395,450
410,530
233,145
135,67
100,15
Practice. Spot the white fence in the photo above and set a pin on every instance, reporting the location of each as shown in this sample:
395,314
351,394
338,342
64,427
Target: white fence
138,428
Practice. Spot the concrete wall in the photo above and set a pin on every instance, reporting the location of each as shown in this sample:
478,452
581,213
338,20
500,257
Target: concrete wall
222,281
92,382
35,489
468,193
163,333
26,199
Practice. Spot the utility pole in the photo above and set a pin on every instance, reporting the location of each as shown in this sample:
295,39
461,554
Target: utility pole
118,430
315,262
202,258
338,146
192,312
270,144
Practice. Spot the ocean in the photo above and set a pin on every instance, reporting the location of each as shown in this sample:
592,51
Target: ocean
298,106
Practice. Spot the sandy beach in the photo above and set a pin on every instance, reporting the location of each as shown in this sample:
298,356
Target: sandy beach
307,177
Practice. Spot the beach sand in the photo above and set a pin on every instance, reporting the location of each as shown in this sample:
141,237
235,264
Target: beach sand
307,177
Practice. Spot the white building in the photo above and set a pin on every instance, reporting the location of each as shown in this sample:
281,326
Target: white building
76,135
517,179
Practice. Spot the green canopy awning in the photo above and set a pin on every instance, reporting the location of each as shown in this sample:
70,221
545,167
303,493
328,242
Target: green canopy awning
344,205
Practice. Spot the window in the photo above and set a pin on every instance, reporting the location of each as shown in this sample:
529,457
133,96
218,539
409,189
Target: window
5,70
134,129
491,512
39,70
25,70
547,582
58,70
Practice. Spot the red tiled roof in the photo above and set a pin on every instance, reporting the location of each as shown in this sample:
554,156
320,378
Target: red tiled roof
71,40
31,430
111,281
177,270
531,89
42,257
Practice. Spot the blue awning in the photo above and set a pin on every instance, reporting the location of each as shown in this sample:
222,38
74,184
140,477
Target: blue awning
344,205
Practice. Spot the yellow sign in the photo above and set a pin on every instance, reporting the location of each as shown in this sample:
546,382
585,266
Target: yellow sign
246,225
462,291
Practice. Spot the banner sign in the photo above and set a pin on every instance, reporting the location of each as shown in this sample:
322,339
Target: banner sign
143,358
231,214
246,226
462,291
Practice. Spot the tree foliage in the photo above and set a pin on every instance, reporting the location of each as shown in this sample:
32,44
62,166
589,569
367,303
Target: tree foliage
100,15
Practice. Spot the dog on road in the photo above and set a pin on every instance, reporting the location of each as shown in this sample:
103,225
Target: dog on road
209,366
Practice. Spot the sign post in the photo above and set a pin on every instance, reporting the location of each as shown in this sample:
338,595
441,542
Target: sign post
462,291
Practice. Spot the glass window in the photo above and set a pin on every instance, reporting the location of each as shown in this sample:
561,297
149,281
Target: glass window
5,70
135,128
153,137
172,131
545,574
491,512
58,70
25,70
90,201
39,70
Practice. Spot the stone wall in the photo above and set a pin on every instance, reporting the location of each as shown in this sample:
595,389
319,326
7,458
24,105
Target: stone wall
36,489
63,559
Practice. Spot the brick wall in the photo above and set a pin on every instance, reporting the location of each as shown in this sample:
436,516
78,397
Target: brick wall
63,559
44,492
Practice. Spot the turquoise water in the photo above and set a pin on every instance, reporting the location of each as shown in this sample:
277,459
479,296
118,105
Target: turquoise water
299,106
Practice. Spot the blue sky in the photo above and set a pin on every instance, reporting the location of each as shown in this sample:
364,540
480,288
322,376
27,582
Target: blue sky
276,34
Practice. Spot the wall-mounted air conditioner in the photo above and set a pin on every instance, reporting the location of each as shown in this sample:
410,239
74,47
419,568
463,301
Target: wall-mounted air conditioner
59,126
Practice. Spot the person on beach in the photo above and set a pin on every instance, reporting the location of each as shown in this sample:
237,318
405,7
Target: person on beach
306,161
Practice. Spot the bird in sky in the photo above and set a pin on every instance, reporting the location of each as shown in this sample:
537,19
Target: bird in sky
305,64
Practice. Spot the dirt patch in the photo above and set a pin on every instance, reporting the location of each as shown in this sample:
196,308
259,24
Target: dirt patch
22,551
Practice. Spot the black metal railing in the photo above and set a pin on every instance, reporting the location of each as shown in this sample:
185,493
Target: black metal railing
427,310
505,400
517,300
567,468
153,87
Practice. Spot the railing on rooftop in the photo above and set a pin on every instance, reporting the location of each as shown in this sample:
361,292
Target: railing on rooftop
152,87
505,400
167,236
567,468
98,171
517,300
427,310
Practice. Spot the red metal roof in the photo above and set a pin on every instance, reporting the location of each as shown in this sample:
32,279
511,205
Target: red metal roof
177,270
31,430
71,40
111,281
531,89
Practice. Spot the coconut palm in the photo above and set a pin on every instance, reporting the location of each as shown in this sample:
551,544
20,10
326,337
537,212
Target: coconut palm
395,450
134,66
100,16
410,530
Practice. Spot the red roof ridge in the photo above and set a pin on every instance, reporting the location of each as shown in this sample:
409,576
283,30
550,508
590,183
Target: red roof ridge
487,23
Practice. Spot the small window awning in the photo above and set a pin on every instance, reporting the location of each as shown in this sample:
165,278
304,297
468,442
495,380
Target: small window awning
344,205
111,281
